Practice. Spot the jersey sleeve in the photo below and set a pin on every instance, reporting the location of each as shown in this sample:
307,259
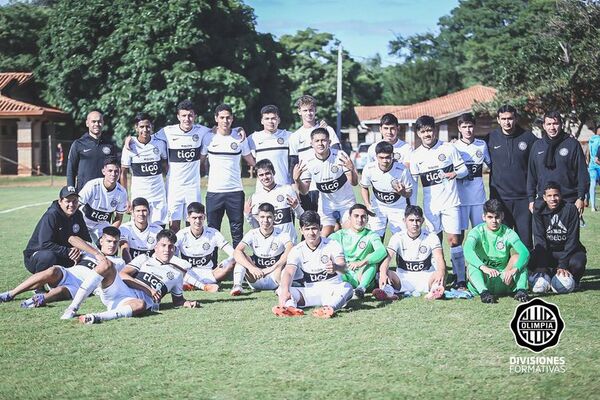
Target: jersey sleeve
335,249
220,240
365,177
379,251
407,180
248,238
122,206
434,241
118,263
293,143
294,258
124,229
126,158
85,194
394,243
371,156
162,149
245,148
251,142
206,139
471,257
333,136
306,174
459,164
138,261
487,159
519,247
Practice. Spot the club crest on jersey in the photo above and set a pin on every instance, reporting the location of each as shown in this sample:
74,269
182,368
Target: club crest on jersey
155,150
280,140
234,146
442,157
150,240
170,275
479,153
362,244
334,168
422,249
397,156
113,203
280,197
522,146
106,150
195,137
206,246
563,152
324,259
274,246
76,228
500,245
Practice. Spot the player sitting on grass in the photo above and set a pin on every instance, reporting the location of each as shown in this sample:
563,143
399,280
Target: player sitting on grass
140,286
419,258
492,270
270,246
197,244
362,248
65,281
322,262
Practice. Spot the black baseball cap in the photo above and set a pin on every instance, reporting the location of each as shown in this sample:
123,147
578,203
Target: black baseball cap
67,191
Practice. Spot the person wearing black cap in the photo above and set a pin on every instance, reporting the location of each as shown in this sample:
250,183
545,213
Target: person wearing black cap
59,236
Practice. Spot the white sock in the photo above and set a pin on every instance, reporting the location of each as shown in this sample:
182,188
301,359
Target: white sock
119,312
86,288
238,275
294,298
458,263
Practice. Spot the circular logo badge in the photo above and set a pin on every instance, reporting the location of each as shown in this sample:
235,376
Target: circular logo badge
280,140
522,146
563,152
335,168
170,275
537,325
76,228
324,259
274,246
500,245
397,156
280,197
150,239
206,246
362,244
195,137
106,150
234,146
442,157
156,151
479,153
422,249
113,203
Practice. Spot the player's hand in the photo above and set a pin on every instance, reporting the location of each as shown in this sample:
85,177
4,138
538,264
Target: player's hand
509,274
155,294
438,279
299,169
563,272
242,134
346,162
356,265
74,254
323,124
248,206
531,207
399,188
383,280
191,304
256,273
450,175
129,208
127,143
292,201
580,206
491,272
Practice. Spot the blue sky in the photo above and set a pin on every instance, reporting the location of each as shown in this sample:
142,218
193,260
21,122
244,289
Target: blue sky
364,27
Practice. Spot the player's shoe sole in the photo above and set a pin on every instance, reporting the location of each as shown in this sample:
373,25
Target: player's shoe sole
188,288
236,291
211,287
287,311
381,295
324,312
88,319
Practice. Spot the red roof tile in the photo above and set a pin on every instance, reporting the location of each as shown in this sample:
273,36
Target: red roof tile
8,77
14,108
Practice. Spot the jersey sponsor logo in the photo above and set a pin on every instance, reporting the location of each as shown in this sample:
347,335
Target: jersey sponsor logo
442,157
137,252
475,170
76,228
282,216
184,155
556,231
537,325
333,185
435,177
318,277
155,282
106,150
492,263
413,266
264,262
96,215
280,140
386,197
522,146
500,245
146,169
198,261
563,152
86,150
88,264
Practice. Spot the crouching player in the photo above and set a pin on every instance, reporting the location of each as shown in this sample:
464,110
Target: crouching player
491,269
363,250
139,287
419,258
64,282
322,262
270,247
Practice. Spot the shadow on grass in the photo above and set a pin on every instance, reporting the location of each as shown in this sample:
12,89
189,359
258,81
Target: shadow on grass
170,306
368,303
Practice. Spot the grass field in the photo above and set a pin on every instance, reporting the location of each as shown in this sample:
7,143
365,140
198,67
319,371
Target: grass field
235,348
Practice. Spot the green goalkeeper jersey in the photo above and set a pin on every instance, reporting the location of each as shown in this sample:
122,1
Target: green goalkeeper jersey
358,246
493,248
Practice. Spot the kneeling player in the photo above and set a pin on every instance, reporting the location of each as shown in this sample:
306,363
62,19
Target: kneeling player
322,262
270,247
139,287
491,269
419,258
65,281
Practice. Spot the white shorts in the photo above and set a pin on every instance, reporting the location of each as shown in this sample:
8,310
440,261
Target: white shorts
394,218
118,293
474,214
447,220
95,229
412,281
266,283
205,274
158,212
178,199
323,293
329,216
69,280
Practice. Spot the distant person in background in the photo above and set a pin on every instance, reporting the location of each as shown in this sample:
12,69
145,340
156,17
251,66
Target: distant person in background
594,166
60,159
87,154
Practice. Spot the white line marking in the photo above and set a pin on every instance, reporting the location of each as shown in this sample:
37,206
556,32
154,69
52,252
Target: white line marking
21,207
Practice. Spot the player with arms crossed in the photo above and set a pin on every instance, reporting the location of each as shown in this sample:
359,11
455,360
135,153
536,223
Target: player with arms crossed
138,236
492,269
322,262
270,246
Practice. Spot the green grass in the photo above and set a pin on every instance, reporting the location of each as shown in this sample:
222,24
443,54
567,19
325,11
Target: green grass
235,348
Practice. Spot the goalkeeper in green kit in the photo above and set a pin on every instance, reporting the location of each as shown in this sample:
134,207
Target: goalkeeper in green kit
363,250
496,257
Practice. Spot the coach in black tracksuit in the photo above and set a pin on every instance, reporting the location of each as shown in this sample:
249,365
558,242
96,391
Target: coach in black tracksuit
51,242
556,236
509,148
87,154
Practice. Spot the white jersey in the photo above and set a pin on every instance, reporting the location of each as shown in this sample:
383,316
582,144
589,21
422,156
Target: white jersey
383,195
277,197
199,251
414,255
140,242
471,190
431,165
276,148
98,204
329,178
144,160
402,151
224,156
267,249
300,142
88,262
162,277
183,150
312,262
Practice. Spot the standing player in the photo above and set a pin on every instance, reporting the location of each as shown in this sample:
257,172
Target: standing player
362,248
594,166
282,197
392,186
492,269
88,153
438,165
509,148
471,190
146,157
225,191
270,246
419,259
272,144
138,236
333,174
388,127
196,244
322,262
104,198
183,148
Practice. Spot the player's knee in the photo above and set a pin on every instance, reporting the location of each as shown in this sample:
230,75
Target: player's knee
103,268
53,274
138,307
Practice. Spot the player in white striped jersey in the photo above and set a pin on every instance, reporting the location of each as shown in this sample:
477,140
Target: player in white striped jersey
184,143
392,185
139,287
471,190
322,262
270,247
103,200
272,144
282,197
333,174
197,244
438,165
138,236
419,258
64,282
146,157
